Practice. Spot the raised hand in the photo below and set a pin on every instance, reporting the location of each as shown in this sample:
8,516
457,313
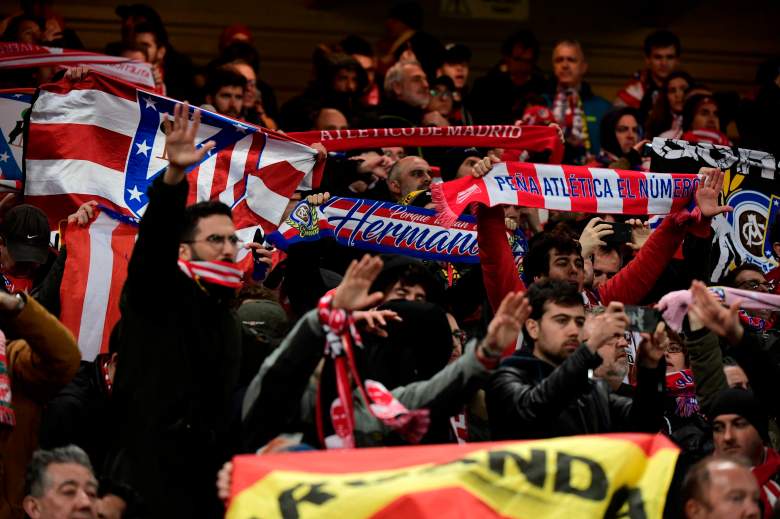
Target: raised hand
180,143
706,311
84,214
481,168
352,292
707,193
607,326
506,324
592,235
374,321
640,232
318,199
653,347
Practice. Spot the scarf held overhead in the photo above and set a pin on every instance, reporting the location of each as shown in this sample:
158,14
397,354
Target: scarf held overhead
566,188
531,138
386,227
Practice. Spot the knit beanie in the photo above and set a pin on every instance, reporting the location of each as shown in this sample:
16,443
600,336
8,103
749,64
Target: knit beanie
743,403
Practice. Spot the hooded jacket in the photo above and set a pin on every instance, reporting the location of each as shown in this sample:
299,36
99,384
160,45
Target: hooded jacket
528,398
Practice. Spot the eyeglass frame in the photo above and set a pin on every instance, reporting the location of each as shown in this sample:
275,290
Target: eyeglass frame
218,240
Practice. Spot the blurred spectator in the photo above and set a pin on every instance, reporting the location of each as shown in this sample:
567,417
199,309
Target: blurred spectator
662,53
260,103
576,109
406,41
457,58
501,96
621,135
339,83
701,121
757,122
720,487
361,50
24,29
225,92
442,91
665,117
330,119
238,32
407,94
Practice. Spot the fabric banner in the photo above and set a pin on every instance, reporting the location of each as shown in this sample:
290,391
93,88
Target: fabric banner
386,227
28,55
616,475
751,187
566,188
531,138
92,281
13,105
102,139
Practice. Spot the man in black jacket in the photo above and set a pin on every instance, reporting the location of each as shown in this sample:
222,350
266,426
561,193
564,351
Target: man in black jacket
179,344
549,392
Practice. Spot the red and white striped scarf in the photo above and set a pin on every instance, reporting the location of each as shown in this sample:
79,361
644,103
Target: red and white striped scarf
215,272
7,416
766,475
566,188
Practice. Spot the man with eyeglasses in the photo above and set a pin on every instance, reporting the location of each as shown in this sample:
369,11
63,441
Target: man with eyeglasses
179,342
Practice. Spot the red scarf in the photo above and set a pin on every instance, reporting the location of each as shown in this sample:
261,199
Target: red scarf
765,474
341,336
214,272
532,138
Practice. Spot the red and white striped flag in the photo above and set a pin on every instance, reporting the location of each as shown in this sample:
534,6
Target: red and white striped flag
28,55
101,139
95,271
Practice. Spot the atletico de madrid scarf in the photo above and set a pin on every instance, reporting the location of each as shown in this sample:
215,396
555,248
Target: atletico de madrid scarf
531,138
566,188
214,272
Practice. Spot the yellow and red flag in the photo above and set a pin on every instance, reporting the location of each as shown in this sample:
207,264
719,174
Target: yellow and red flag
617,475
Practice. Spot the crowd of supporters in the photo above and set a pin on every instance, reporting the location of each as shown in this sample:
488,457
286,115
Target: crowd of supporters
197,372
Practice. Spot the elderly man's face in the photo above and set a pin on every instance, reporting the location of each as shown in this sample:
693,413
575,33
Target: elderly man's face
70,493
413,88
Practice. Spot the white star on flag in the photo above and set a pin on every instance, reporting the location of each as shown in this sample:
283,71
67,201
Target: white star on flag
135,194
142,148
3,157
150,103
240,128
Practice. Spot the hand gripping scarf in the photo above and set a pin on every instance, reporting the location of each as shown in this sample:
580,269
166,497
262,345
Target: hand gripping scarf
566,188
674,305
341,336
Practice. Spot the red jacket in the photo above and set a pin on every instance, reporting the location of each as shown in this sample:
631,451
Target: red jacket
766,475
630,285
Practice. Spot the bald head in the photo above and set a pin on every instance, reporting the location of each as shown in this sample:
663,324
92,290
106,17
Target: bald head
408,174
720,488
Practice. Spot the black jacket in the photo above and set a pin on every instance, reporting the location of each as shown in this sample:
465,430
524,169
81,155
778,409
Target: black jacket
179,356
529,398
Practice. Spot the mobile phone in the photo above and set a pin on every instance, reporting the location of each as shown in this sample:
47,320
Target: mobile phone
642,318
621,233
260,268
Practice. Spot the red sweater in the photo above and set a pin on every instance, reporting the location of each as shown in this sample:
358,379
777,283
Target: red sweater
629,286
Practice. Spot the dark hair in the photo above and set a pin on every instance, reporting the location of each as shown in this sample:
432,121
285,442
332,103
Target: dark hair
12,30
522,37
697,479
408,275
240,52
552,291
660,117
160,36
662,38
691,105
730,279
609,122
35,477
537,261
222,77
354,44
194,212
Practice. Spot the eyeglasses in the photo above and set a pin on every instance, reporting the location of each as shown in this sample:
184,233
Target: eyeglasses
218,240
674,348
462,336
753,284
444,94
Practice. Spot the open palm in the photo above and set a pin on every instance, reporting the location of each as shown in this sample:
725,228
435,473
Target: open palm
352,292
708,192
180,138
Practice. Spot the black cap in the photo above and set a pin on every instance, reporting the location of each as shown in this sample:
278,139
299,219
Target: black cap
452,160
445,81
743,403
456,53
26,231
